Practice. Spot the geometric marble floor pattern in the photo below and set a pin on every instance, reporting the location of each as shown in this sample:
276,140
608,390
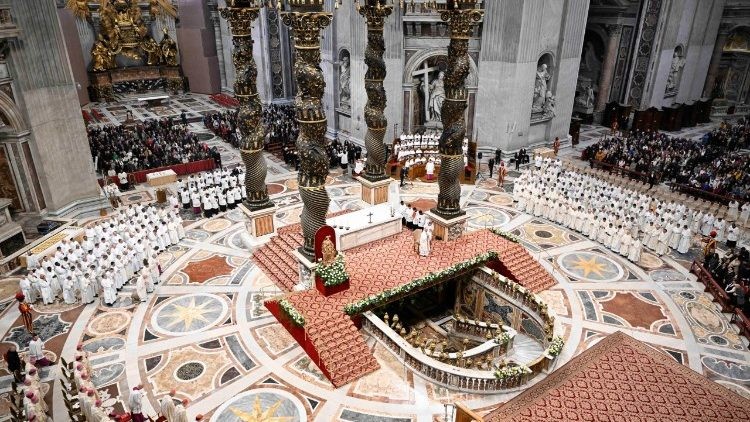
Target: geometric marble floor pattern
206,333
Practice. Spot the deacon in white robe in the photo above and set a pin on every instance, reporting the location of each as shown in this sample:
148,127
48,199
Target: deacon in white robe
686,238
167,407
634,255
424,243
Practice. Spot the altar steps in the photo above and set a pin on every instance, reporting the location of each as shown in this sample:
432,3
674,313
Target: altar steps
519,265
276,260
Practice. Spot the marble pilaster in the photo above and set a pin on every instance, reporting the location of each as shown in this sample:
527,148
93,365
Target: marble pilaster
608,66
713,68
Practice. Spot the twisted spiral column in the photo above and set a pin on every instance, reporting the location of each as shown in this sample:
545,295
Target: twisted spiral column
461,19
375,13
311,143
241,15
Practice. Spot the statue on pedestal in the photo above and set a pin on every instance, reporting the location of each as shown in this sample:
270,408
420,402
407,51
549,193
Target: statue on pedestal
345,93
437,97
168,49
540,88
674,72
153,52
102,56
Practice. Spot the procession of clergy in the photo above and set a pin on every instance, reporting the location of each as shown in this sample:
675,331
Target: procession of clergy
111,254
212,192
623,220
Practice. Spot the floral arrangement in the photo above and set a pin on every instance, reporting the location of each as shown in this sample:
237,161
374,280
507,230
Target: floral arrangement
334,273
507,371
513,238
503,338
293,314
555,346
387,295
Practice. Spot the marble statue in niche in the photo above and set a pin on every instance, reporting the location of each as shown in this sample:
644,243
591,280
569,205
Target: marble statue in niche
345,93
543,103
675,71
437,97
540,88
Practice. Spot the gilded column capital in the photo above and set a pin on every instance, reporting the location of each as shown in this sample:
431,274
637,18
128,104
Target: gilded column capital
240,19
461,21
375,16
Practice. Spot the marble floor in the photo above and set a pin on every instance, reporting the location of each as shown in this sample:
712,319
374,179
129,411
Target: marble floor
205,332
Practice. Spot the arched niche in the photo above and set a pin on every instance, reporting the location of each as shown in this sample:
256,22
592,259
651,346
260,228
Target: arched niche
543,90
344,75
420,78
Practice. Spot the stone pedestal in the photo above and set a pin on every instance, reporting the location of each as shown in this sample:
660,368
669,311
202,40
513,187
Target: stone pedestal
375,193
448,230
305,271
261,221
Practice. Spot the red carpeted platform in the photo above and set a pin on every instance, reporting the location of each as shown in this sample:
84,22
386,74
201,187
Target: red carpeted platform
623,379
330,336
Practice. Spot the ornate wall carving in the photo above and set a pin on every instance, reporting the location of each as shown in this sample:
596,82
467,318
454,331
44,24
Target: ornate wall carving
650,20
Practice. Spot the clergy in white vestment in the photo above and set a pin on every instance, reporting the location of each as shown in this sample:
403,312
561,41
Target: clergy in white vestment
36,352
745,213
625,244
674,238
167,407
430,169
663,247
109,293
733,233
140,287
135,403
45,289
69,291
719,226
180,413
686,238
27,289
634,255
733,211
653,234
424,243
707,224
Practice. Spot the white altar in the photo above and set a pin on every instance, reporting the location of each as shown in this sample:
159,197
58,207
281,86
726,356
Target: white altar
359,227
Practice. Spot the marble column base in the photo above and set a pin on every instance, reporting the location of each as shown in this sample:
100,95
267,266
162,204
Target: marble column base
261,221
375,193
448,230
305,271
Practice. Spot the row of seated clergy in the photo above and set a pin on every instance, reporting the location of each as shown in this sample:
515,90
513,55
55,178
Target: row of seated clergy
423,160
423,143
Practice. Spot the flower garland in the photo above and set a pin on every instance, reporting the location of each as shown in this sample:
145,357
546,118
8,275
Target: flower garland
334,273
293,314
503,338
507,371
555,346
385,296
513,238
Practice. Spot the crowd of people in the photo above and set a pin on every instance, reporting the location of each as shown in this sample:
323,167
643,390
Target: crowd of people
211,192
25,373
712,164
622,220
732,272
224,125
281,123
119,251
150,144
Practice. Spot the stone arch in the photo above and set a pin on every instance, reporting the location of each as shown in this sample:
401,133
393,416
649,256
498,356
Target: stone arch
11,115
472,81
411,118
